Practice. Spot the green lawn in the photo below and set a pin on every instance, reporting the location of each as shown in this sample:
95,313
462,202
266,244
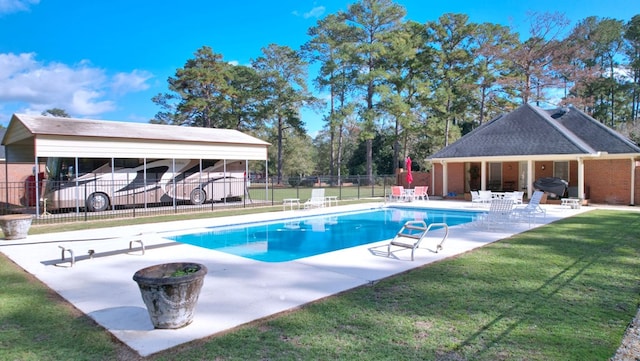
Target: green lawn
565,291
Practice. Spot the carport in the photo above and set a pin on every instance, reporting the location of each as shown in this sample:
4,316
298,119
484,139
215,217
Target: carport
34,139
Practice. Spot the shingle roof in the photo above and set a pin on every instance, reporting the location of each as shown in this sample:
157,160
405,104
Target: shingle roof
529,130
597,135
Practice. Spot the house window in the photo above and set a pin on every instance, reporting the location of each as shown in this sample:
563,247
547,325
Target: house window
561,170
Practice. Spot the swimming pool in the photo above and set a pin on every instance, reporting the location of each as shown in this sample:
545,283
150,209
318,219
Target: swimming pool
291,239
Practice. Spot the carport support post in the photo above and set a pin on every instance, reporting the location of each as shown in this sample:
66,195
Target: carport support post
224,181
266,181
113,178
77,184
35,173
173,169
244,181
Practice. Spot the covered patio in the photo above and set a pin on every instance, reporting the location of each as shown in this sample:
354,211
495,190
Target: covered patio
512,151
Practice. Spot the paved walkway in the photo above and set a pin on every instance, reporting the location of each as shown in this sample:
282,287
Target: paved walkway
236,290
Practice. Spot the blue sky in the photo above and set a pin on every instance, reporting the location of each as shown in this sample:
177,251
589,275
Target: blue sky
107,59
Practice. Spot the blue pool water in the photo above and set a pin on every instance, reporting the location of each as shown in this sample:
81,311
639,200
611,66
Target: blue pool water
287,240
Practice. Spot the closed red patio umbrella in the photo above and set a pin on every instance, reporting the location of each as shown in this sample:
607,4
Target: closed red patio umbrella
409,175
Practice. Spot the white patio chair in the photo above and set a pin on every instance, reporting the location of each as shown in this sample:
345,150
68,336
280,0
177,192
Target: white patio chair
316,200
532,209
500,213
481,197
515,197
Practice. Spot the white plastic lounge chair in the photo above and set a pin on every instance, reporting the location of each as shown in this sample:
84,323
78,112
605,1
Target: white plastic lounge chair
500,213
316,200
532,209
412,233
515,196
481,197
420,192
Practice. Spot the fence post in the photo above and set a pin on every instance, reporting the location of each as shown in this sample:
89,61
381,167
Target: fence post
373,186
384,186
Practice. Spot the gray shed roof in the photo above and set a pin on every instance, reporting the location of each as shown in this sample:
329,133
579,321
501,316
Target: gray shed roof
531,131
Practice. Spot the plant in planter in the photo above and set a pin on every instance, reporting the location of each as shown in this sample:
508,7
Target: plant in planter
170,291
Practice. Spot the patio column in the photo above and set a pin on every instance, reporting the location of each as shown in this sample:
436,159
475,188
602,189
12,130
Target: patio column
445,178
633,182
483,175
529,178
581,193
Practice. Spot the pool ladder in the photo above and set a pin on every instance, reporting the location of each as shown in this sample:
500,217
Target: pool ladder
412,234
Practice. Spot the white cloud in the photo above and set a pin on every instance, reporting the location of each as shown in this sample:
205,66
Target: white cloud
316,12
80,89
14,6
84,102
131,82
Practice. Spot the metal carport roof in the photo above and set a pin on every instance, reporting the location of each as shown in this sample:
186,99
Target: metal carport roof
28,137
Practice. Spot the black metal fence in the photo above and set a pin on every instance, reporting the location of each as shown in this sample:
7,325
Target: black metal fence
83,204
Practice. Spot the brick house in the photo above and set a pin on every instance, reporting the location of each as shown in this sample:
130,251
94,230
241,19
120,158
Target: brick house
513,150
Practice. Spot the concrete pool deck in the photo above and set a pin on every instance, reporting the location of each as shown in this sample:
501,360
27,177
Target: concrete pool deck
236,290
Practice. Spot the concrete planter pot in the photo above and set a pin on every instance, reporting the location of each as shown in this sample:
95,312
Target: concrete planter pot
15,226
170,291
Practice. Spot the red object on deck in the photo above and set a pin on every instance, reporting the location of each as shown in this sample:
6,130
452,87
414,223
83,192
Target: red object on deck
30,188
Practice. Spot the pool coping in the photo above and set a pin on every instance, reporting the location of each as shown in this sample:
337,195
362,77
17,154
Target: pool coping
236,290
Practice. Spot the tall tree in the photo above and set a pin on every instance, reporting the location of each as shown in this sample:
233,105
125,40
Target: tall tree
452,37
328,46
609,42
403,84
532,59
575,65
632,36
284,80
373,22
200,92
245,97
493,44
209,92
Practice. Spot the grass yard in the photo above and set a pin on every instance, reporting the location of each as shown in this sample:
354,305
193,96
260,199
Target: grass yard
565,291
